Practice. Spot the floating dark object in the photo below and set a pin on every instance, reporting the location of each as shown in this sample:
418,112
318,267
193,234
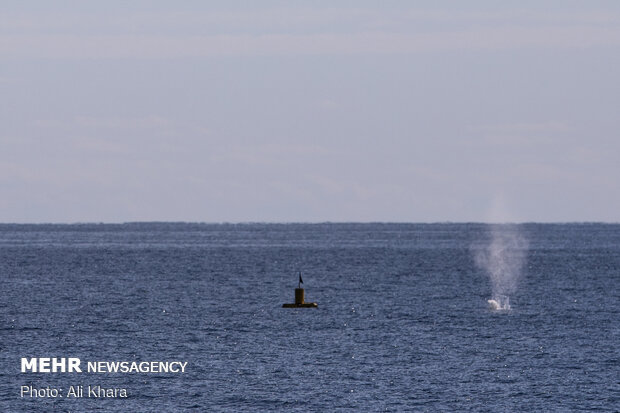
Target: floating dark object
299,298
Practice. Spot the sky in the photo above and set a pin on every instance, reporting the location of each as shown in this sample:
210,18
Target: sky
309,111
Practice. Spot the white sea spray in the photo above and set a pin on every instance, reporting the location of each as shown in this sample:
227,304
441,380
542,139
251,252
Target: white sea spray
503,259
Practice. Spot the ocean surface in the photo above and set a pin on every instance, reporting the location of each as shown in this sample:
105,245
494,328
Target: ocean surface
402,323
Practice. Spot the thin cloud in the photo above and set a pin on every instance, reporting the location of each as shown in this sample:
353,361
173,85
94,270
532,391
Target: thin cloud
301,20
163,47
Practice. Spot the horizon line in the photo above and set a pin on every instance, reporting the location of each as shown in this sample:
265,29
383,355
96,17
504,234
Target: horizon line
312,222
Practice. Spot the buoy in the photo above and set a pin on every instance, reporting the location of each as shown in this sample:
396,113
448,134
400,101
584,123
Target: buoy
300,298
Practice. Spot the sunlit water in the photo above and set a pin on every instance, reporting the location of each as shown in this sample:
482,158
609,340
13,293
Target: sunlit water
403,322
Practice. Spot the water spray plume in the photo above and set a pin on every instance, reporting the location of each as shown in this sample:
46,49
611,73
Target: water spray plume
503,260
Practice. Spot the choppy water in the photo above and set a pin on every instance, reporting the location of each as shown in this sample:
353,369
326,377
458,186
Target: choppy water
403,321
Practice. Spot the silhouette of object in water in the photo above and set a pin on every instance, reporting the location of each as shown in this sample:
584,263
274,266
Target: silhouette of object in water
300,298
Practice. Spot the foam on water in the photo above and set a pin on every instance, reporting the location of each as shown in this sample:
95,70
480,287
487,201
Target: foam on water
499,303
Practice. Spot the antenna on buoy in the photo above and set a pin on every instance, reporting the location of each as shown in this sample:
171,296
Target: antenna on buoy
299,297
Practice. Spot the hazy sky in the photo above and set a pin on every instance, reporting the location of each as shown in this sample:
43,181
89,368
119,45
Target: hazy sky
422,111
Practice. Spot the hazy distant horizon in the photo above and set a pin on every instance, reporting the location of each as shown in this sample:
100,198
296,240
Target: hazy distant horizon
319,223
366,111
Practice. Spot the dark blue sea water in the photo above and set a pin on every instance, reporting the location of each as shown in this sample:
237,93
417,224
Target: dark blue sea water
402,324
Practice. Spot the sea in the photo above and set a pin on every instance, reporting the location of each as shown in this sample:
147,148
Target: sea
403,321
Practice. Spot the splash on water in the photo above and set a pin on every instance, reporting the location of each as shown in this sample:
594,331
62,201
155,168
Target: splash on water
503,260
499,303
